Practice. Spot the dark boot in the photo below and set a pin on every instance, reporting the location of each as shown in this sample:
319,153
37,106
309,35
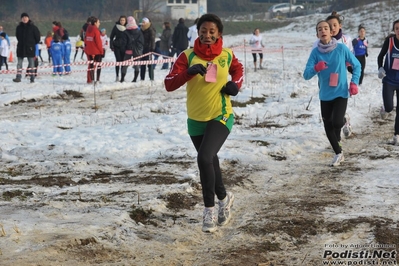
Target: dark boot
136,74
123,77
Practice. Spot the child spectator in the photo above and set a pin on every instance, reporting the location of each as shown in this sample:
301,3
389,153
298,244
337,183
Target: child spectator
57,53
47,42
4,50
79,45
40,51
257,45
36,59
67,54
157,51
104,40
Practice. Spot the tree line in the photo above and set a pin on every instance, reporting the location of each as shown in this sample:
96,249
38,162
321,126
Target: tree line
45,10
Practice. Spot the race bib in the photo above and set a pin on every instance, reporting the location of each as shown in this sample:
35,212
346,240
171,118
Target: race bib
211,72
333,79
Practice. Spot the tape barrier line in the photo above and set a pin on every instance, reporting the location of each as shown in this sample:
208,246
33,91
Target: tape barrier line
130,62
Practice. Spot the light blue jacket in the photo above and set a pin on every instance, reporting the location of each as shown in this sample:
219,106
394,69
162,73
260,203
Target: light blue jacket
336,63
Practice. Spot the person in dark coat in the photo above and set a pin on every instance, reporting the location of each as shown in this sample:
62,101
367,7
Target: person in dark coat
28,36
166,42
116,42
133,46
149,46
180,39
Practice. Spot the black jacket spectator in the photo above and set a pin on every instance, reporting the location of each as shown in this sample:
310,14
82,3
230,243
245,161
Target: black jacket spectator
149,37
180,39
28,36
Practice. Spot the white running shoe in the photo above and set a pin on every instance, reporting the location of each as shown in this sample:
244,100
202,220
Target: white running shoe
338,159
383,114
209,221
347,129
224,213
395,140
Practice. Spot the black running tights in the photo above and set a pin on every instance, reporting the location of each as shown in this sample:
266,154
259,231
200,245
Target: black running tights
207,146
333,114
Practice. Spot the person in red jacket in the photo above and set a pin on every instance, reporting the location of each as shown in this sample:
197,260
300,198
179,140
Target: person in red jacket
206,69
93,49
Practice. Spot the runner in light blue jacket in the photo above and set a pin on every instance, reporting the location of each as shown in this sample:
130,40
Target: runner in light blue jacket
328,61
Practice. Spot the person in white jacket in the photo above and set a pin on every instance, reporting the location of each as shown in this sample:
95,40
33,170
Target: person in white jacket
192,33
4,50
257,45
104,40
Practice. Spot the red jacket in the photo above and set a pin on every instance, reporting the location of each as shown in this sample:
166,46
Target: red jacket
93,43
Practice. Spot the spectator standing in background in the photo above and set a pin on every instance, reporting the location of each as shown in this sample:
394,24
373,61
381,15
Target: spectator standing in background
157,51
36,59
57,54
93,49
180,39
41,46
59,29
79,45
257,45
84,28
132,45
47,42
192,33
28,36
104,39
67,54
6,37
149,46
165,43
116,42
4,50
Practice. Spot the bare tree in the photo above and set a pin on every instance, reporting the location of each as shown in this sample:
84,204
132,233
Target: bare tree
149,8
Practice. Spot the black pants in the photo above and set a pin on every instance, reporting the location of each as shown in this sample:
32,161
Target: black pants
92,67
77,51
207,146
3,60
388,91
362,60
143,68
254,56
124,69
119,56
333,114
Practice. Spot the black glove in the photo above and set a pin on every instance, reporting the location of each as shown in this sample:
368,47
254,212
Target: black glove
230,88
196,69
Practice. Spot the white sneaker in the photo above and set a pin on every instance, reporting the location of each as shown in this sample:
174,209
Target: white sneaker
347,129
117,79
395,140
338,159
209,221
383,114
224,213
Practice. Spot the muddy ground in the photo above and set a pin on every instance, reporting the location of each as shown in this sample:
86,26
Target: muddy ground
286,211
